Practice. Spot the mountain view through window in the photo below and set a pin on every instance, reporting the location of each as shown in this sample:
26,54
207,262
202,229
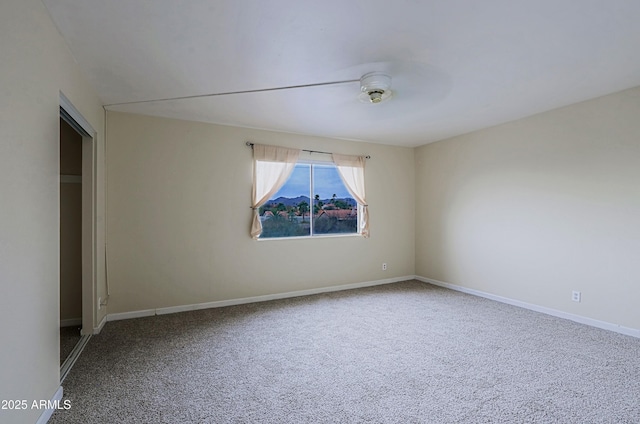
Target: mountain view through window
313,201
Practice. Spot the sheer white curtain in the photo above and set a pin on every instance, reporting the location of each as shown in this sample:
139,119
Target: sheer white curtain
351,170
272,166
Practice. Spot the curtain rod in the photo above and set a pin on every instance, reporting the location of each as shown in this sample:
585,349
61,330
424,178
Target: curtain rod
250,144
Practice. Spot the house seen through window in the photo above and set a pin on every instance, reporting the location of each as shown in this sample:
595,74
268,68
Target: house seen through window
313,201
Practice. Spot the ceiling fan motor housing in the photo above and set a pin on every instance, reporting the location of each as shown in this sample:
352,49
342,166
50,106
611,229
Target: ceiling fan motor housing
375,87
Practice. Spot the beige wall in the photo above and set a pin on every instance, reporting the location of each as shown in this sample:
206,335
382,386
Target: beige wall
536,208
178,217
36,66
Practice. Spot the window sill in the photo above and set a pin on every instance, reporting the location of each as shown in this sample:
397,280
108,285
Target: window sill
322,236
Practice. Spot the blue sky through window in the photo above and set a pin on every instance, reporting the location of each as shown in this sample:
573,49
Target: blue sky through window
327,182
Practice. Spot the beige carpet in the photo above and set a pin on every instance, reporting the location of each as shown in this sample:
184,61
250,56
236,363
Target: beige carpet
400,353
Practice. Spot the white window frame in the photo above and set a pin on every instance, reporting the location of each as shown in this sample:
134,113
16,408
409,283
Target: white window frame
307,158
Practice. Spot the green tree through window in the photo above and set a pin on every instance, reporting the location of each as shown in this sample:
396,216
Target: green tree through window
294,212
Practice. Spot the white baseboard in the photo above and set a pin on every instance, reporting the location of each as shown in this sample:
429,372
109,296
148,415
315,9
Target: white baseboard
71,322
98,329
543,309
130,315
47,413
253,299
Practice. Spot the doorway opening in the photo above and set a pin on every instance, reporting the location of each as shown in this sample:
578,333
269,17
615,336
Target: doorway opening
77,234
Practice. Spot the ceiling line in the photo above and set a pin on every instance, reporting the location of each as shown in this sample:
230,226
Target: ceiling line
258,90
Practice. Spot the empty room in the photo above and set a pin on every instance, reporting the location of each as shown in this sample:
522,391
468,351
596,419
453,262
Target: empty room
320,212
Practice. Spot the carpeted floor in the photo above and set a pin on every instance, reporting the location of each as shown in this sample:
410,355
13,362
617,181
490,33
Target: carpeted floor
400,353
69,337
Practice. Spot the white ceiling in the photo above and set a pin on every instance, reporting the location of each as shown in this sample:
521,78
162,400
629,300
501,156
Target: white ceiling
456,65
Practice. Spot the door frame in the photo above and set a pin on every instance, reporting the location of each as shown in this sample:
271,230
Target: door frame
89,213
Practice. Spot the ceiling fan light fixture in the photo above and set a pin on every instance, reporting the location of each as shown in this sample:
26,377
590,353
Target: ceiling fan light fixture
375,87
375,96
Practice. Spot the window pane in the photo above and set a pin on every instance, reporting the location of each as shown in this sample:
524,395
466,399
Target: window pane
335,211
287,213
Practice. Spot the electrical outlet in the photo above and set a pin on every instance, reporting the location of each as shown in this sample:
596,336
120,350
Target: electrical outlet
384,266
575,296
99,303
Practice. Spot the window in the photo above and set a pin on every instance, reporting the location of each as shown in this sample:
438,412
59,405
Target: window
313,201
312,211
